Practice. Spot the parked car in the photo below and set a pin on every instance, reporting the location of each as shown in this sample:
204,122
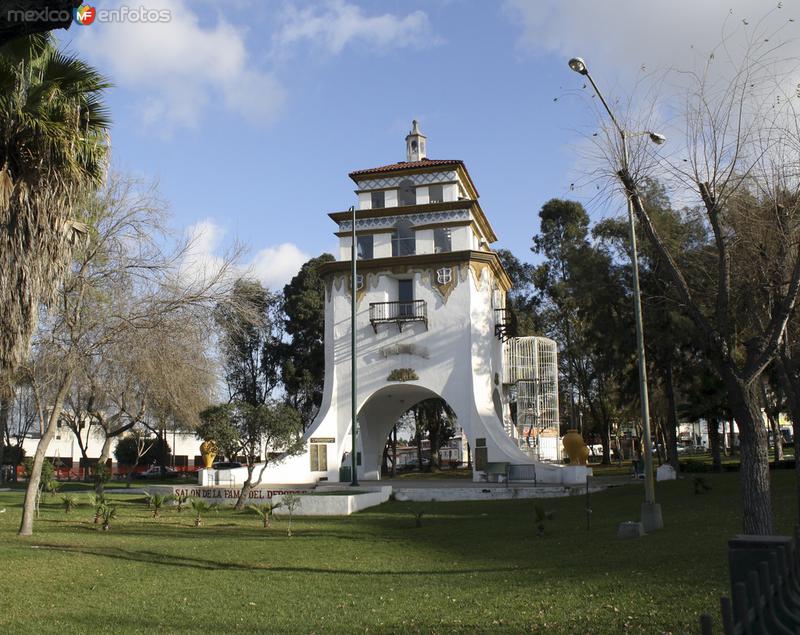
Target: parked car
225,465
691,449
154,471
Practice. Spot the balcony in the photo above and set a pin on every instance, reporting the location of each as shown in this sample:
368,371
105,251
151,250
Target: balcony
398,313
505,324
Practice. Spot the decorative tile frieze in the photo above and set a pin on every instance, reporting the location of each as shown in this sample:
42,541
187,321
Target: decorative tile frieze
425,178
387,222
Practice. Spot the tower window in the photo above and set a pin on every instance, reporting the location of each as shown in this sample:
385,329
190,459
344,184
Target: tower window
403,239
407,195
435,194
378,199
442,240
364,247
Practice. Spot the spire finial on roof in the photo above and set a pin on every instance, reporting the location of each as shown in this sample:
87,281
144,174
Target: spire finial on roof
415,143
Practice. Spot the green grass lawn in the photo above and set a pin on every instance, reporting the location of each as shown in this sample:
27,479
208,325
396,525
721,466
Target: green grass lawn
471,567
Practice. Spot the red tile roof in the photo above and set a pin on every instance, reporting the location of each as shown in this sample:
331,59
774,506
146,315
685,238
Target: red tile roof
411,165
406,165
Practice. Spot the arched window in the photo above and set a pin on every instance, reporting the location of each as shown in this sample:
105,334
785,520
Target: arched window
407,194
403,240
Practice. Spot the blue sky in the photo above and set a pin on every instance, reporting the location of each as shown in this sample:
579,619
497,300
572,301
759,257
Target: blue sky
250,113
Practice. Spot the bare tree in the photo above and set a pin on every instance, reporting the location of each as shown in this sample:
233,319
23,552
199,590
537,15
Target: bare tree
740,166
122,286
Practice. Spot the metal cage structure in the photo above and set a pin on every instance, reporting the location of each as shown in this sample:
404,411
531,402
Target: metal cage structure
530,374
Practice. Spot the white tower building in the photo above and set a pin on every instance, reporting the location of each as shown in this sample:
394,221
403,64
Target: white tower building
431,322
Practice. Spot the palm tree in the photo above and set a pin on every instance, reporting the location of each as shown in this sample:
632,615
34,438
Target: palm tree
53,146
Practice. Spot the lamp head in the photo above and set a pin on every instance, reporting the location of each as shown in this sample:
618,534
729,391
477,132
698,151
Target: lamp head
578,65
656,138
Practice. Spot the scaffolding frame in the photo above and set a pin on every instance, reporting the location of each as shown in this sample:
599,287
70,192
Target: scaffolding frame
530,372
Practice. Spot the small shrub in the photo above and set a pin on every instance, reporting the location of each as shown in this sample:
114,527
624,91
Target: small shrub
290,502
200,507
542,518
265,511
180,501
156,502
52,487
70,502
108,513
98,503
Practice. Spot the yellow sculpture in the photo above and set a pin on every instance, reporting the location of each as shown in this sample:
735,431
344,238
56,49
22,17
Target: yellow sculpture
576,449
208,450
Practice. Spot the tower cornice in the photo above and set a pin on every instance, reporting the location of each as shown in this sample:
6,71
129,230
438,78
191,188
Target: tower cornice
382,212
402,263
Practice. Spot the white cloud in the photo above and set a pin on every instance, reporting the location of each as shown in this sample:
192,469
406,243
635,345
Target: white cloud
340,23
619,37
273,266
180,65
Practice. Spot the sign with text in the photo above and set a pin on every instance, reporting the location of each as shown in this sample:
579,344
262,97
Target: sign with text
229,495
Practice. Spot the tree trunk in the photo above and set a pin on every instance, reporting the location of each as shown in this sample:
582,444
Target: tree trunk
469,457
246,487
774,424
32,490
672,418
754,449
777,438
5,407
105,453
714,442
394,451
605,440
792,389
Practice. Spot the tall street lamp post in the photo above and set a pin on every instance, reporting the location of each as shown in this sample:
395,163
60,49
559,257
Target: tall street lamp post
651,511
353,366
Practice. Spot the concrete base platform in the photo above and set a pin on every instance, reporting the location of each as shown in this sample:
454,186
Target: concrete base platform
337,499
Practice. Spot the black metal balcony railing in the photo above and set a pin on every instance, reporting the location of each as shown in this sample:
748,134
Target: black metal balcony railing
505,324
398,313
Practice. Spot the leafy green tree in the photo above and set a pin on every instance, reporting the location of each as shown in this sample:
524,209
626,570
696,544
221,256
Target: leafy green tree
522,297
303,370
217,423
251,333
586,310
265,434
